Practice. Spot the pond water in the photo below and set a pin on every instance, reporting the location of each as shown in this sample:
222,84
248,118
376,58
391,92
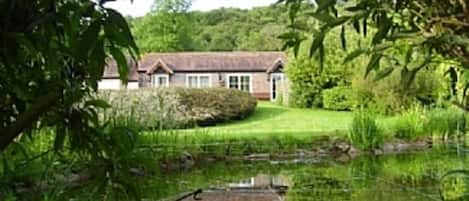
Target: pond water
404,177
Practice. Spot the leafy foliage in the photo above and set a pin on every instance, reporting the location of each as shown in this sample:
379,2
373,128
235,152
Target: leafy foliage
166,28
446,122
53,53
214,105
338,98
171,108
410,125
308,79
225,29
409,34
389,96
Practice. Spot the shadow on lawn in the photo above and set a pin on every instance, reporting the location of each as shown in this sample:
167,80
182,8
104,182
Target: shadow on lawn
264,113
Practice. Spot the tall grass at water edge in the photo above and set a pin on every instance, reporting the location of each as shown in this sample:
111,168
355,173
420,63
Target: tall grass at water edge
365,133
443,123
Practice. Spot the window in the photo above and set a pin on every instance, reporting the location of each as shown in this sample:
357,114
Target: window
240,81
198,81
160,80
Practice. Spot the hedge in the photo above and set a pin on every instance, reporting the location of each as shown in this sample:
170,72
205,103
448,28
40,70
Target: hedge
169,108
213,105
338,98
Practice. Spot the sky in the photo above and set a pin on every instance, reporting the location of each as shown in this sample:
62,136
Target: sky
141,7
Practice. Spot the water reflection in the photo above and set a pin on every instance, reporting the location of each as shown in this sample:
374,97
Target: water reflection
409,177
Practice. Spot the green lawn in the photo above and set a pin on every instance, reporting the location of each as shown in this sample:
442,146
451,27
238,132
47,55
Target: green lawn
270,119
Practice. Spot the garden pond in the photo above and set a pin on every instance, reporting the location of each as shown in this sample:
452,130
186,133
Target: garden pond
436,174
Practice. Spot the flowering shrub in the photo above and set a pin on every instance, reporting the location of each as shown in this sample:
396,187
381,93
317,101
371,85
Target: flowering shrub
168,108
148,108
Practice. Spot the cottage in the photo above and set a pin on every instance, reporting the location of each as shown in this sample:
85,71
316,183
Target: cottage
259,73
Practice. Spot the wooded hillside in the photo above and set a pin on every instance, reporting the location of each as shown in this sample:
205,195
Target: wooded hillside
225,29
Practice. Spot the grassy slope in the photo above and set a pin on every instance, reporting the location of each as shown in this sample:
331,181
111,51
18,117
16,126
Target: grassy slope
270,119
271,129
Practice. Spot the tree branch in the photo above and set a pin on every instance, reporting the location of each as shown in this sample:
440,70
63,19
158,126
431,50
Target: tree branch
25,120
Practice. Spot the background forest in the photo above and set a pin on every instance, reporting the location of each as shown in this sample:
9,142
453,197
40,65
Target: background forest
225,29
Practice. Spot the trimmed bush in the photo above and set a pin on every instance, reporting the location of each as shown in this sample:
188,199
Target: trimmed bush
169,108
365,132
213,105
338,98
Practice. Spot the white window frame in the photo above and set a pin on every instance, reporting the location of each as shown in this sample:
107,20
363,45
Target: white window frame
239,75
155,77
272,75
198,75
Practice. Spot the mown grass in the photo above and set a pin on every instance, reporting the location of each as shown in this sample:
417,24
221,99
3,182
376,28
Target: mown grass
269,119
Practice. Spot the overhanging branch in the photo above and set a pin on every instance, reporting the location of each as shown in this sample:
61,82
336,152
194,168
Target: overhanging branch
25,120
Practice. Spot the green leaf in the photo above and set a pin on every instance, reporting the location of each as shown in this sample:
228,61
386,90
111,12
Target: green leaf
373,64
121,23
88,38
98,61
383,73
317,42
122,64
325,4
288,35
323,17
356,26
342,38
408,56
384,26
407,77
338,21
356,53
98,103
365,24
59,138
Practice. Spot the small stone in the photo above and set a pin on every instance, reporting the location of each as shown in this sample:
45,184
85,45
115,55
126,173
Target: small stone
378,151
137,172
402,147
388,148
258,156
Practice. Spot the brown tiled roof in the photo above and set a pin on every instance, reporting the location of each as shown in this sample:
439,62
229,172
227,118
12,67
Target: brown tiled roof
214,61
111,71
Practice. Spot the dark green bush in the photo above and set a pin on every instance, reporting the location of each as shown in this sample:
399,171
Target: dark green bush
307,81
338,98
390,96
213,105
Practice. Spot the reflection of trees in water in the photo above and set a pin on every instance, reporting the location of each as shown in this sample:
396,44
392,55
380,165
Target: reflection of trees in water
319,185
454,186
365,170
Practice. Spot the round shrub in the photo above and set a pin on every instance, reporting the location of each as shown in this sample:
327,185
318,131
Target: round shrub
214,105
338,98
